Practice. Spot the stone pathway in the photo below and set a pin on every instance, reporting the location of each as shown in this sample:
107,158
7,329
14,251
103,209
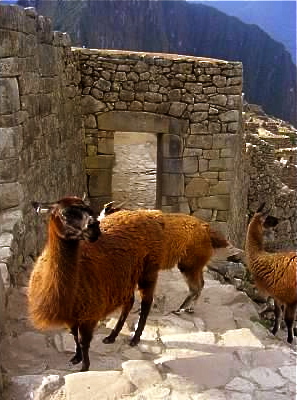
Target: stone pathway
221,352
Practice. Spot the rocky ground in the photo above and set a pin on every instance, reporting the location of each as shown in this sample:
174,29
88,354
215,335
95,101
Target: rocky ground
220,352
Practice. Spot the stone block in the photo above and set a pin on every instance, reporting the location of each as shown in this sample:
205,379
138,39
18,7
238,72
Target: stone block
219,202
221,164
172,165
199,116
204,214
203,165
90,105
10,141
177,109
229,116
211,154
9,43
105,145
90,121
97,384
132,121
172,184
199,128
9,170
218,99
101,161
100,182
200,141
10,195
172,146
9,67
190,165
222,187
197,187
141,373
9,99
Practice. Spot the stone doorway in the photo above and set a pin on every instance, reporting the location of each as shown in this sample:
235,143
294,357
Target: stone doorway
134,173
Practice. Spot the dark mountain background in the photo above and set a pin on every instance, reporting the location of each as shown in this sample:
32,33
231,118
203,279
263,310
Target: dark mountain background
277,18
183,27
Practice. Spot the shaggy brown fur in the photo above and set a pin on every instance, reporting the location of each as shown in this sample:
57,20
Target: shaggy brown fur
275,274
188,242
76,283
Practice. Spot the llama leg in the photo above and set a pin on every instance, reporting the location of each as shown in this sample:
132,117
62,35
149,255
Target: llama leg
290,312
85,336
146,289
77,356
277,317
195,281
124,314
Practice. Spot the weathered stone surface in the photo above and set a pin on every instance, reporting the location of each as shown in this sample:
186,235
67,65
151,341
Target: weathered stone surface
91,105
10,195
221,375
9,100
265,377
197,187
219,202
141,373
106,385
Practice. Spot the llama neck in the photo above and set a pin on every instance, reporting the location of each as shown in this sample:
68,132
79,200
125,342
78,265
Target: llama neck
63,256
254,240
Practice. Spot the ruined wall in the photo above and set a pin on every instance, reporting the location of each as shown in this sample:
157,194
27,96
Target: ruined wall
41,140
194,107
265,184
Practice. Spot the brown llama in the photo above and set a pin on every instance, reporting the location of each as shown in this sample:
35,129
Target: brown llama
188,242
82,276
275,274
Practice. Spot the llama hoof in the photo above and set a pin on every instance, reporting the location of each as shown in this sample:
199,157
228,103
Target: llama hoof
134,342
75,359
178,312
189,310
108,340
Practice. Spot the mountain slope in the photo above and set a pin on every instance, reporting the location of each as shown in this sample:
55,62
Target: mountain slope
277,18
185,28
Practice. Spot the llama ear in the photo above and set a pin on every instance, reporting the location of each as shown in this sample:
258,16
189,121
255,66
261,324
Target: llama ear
85,198
40,208
260,209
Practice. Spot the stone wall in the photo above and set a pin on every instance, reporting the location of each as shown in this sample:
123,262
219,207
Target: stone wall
265,184
41,138
194,107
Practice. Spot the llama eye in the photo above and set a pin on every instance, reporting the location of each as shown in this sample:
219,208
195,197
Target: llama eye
71,213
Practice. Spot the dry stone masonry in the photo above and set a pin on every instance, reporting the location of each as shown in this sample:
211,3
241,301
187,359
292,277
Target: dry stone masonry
194,107
60,109
41,141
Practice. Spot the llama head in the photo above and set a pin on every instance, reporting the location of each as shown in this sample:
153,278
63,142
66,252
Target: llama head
71,219
265,222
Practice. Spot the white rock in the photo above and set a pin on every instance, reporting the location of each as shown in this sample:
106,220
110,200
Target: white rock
289,372
191,340
240,385
141,373
93,385
240,338
212,394
265,378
